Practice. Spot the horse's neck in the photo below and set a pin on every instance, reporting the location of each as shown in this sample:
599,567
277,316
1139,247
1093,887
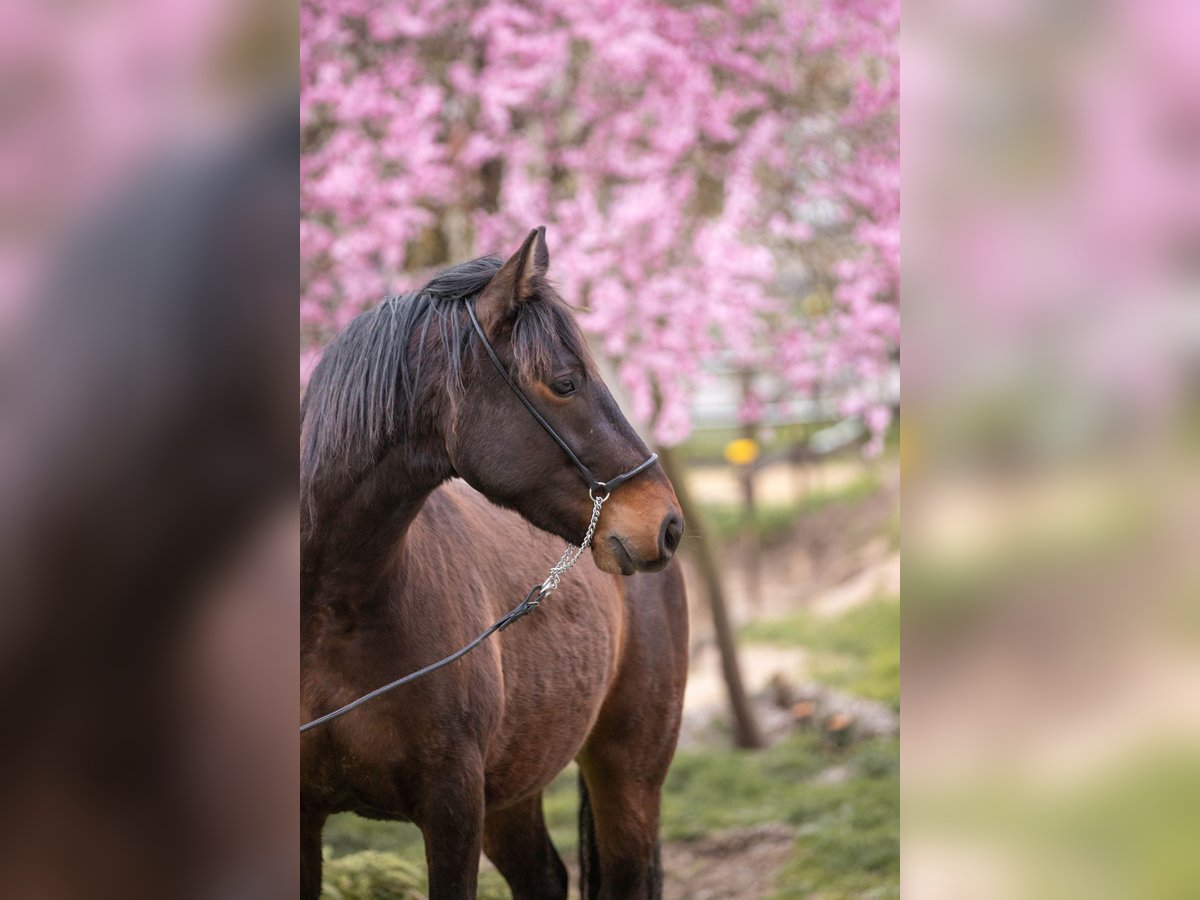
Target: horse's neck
350,554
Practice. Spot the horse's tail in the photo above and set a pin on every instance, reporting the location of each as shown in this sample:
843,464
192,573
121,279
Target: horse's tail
589,854
656,873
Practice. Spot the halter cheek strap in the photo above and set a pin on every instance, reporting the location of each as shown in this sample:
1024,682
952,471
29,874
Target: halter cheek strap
595,485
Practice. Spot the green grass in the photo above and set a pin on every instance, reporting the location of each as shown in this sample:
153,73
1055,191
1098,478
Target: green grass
857,652
852,846
708,791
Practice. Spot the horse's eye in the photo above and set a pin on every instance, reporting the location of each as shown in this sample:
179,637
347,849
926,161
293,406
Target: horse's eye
564,387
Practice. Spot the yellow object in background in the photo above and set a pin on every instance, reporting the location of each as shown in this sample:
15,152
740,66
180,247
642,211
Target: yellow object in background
741,452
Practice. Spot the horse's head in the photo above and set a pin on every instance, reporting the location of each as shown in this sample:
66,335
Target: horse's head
498,446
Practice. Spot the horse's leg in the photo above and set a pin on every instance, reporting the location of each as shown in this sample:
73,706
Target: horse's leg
625,760
516,840
622,836
311,826
452,823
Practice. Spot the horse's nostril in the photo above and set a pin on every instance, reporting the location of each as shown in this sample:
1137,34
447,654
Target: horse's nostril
672,531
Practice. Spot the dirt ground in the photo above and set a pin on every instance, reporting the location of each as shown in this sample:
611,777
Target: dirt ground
737,864
741,862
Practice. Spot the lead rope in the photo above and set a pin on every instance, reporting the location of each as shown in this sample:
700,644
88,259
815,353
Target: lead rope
532,601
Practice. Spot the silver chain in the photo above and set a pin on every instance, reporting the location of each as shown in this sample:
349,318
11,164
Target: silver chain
572,553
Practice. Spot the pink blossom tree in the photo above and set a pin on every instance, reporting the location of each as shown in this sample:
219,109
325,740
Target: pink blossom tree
718,180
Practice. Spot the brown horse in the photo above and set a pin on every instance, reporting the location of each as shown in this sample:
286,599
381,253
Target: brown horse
400,566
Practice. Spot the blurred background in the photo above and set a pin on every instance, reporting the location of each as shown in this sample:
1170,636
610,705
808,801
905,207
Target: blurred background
1051,229
720,185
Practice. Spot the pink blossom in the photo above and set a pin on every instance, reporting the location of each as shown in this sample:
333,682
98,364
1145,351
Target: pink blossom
686,159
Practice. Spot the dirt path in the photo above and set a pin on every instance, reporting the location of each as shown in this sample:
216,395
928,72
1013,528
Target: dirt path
739,864
775,483
736,864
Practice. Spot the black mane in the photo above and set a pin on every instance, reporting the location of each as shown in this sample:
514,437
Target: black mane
379,372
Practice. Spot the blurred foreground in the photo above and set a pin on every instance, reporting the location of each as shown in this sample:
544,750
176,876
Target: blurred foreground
148,561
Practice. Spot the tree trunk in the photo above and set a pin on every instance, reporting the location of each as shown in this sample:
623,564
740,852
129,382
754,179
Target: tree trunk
751,551
745,727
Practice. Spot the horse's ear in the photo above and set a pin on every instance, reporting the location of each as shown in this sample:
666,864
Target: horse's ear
515,282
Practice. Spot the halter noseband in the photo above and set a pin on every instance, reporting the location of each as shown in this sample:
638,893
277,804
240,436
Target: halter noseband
595,485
